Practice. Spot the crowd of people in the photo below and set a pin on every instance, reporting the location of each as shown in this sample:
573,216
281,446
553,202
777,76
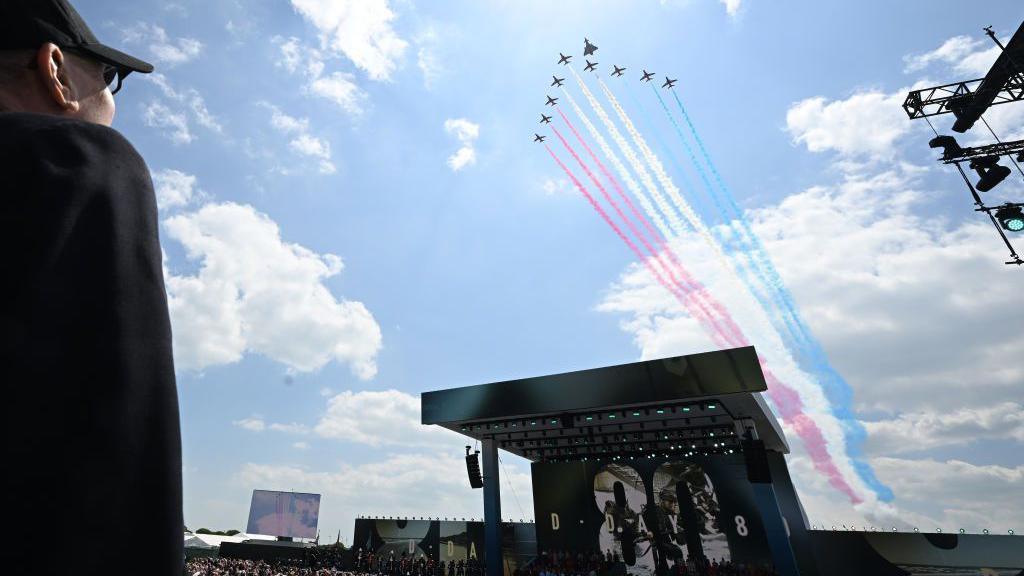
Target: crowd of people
332,561
405,565
237,567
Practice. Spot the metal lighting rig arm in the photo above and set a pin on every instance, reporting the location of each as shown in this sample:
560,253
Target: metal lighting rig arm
968,100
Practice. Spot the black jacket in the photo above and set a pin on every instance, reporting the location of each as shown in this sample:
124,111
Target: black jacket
90,465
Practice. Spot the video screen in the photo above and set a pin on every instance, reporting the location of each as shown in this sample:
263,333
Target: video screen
290,514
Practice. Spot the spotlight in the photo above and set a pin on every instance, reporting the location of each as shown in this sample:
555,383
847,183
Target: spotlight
916,530
1011,218
962,531
985,531
991,172
894,529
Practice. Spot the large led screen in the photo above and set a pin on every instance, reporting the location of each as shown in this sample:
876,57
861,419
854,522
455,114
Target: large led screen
290,514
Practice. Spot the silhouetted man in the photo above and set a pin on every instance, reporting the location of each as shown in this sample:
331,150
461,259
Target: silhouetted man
91,449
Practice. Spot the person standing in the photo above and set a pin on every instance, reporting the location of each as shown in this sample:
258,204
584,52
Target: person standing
91,444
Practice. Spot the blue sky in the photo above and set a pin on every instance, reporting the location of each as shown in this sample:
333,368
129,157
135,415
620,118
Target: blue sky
328,260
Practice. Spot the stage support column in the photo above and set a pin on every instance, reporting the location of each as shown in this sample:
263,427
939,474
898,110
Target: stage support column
767,503
492,507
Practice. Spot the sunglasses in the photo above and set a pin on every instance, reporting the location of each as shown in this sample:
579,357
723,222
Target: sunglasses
110,72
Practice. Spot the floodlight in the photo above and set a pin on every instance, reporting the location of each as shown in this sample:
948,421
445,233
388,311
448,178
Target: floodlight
1011,218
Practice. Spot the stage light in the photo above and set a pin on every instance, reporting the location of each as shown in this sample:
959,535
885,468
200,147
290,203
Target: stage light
894,529
985,531
916,530
938,530
990,171
962,531
1011,218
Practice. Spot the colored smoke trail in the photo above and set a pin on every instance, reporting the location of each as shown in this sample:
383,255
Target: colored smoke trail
742,234
759,288
615,227
688,285
837,390
627,151
719,337
812,437
786,399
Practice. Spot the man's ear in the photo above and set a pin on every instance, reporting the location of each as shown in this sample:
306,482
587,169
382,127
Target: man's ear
51,67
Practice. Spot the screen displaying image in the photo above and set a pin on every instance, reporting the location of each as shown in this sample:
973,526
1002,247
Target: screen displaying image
289,514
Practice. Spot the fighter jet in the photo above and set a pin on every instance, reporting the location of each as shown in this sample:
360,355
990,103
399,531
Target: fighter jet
545,119
538,137
588,48
556,81
647,76
669,83
564,59
618,71
552,101
590,66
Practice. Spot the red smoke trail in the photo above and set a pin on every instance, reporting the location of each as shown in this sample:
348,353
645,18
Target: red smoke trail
689,285
618,231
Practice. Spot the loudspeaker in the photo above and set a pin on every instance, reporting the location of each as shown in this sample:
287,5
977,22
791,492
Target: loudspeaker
473,469
756,457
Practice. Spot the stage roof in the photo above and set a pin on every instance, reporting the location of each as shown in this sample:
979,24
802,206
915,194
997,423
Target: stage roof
682,404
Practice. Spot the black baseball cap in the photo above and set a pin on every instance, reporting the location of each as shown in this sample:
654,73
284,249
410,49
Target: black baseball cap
28,24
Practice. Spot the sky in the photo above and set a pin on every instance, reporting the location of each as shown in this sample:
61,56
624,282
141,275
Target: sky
353,212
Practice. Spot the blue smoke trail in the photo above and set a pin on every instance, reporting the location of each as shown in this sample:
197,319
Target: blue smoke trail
837,390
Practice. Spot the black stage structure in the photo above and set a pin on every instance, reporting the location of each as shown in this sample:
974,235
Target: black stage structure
701,408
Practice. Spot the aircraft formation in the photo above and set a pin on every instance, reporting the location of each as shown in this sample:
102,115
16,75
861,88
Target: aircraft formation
589,49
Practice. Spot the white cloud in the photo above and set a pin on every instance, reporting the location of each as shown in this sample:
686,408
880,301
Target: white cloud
253,424
466,133
341,89
301,445
732,7
552,186
190,99
916,431
360,29
956,494
338,87
384,418
173,124
428,59
867,123
164,49
174,188
303,142
233,304
963,54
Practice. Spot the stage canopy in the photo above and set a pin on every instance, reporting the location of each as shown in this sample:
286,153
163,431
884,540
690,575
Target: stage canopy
679,405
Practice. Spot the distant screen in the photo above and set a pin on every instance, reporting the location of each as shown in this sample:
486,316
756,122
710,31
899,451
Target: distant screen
283,514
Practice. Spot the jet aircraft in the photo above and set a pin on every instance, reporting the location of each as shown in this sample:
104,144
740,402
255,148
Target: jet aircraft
590,66
588,48
538,137
556,81
545,119
669,83
564,59
552,101
647,76
618,71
